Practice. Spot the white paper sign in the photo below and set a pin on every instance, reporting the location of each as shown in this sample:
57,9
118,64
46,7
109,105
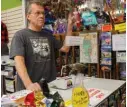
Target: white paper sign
89,50
97,95
119,42
73,40
121,56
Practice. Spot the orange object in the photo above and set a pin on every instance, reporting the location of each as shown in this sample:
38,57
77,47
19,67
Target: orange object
106,28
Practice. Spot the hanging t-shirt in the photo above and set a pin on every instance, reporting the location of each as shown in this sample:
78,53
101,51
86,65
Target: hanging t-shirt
38,50
89,18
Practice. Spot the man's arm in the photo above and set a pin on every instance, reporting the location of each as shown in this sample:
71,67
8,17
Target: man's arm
22,72
65,48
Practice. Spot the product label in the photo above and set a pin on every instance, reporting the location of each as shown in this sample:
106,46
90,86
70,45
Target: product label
80,97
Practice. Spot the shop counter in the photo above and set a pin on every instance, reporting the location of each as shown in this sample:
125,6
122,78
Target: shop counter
99,90
106,86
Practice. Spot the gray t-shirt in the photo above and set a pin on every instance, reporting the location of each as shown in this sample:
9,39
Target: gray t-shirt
38,50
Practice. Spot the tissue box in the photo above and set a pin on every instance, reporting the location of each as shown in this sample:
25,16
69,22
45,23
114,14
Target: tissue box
63,82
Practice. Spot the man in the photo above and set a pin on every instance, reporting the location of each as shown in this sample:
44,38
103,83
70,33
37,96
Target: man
33,50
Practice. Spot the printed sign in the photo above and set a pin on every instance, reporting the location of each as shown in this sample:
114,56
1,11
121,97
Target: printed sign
73,40
80,97
119,42
89,50
120,27
96,95
121,56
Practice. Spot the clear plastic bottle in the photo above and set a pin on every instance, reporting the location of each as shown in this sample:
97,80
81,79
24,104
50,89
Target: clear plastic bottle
80,97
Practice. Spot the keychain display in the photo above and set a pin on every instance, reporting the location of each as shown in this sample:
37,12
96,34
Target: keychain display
60,26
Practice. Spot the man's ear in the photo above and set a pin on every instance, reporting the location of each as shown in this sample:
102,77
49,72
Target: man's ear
28,16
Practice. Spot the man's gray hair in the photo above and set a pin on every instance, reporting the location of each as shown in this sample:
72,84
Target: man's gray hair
28,7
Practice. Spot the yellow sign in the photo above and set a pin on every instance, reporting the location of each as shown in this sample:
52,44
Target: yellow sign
122,30
80,97
120,27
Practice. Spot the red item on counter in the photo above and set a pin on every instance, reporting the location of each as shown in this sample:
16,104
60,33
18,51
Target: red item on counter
29,100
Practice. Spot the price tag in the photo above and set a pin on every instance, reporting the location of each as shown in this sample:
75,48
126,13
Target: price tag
80,97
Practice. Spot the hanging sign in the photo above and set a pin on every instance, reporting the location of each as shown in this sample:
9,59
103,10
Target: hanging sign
120,27
119,42
80,97
73,40
106,28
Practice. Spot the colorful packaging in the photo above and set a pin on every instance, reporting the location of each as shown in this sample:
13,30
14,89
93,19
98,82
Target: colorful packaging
88,18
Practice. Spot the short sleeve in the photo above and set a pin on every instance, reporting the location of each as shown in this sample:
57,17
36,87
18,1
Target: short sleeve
17,46
57,43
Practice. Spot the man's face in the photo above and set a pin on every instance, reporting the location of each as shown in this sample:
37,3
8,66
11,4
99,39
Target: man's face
36,17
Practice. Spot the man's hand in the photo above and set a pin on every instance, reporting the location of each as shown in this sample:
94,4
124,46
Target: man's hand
33,87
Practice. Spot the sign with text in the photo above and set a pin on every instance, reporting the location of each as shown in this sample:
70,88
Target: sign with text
120,27
119,42
96,95
106,28
80,97
73,40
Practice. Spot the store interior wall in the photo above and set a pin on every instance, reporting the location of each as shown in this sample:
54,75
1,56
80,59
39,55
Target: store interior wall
8,4
12,16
